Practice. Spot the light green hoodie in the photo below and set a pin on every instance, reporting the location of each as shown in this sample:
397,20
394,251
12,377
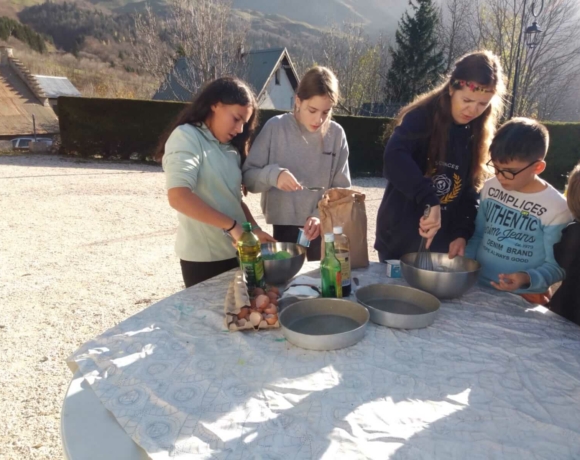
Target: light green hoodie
195,159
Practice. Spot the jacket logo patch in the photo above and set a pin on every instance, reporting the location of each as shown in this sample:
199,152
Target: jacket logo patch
447,189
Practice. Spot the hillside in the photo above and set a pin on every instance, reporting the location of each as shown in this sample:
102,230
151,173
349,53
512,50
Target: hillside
377,15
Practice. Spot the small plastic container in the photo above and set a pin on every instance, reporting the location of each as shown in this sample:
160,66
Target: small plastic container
302,240
393,268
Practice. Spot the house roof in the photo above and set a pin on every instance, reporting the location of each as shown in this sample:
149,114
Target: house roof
54,87
259,67
17,105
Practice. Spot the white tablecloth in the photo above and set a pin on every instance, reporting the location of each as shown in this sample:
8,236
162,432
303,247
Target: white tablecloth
493,377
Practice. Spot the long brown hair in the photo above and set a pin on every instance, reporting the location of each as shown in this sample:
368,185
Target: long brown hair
227,90
484,68
319,81
573,192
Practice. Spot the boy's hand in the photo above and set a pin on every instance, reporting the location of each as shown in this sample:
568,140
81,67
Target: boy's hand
512,282
457,248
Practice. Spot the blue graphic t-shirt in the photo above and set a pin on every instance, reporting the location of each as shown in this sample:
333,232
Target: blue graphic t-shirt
516,232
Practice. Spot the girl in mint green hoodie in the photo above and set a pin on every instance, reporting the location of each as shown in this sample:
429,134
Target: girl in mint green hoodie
202,156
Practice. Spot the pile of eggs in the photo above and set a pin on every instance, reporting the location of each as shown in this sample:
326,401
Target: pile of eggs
263,308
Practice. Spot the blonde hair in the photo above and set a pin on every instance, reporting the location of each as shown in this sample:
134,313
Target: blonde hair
319,81
573,192
484,68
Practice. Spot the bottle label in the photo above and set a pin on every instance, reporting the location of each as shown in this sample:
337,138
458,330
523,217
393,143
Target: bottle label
344,259
331,283
254,272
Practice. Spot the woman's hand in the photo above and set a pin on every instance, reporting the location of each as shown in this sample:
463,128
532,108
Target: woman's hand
287,182
312,228
263,236
457,248
429,226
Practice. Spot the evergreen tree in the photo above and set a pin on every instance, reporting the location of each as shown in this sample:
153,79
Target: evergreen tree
11,28
417,62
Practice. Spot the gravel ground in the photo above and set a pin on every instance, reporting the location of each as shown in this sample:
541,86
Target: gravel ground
83,246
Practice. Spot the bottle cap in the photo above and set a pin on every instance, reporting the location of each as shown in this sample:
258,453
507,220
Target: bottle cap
247,226
337,230
329,237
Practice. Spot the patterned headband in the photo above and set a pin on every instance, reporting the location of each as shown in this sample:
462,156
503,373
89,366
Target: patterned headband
471,85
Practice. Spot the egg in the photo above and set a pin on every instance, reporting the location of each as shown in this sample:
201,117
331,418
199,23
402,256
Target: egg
271,310
241,323
253,303
244,313
271,319
255,318
262,301
273,297
275,290
259,291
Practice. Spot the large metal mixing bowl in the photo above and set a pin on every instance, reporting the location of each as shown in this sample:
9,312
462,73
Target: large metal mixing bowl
281,271
450,278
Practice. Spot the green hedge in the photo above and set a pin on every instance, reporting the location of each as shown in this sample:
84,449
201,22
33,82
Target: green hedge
564,152
113,128
118,128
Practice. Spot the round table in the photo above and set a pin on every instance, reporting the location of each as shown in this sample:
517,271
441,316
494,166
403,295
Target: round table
493,377
89,431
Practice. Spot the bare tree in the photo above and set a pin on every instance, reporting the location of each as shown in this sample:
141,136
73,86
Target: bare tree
454,32
548,73
360,65
198,41
152,54
550,70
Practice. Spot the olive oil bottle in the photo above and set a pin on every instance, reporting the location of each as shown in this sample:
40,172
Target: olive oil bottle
250,254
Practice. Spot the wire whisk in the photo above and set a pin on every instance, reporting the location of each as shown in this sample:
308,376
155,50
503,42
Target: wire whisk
423,260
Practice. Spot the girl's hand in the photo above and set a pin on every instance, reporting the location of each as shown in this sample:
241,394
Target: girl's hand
263,236
457,248
512,282
287,182
429,226
236,232
312,228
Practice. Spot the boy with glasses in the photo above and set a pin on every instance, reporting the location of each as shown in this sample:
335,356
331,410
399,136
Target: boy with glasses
520,216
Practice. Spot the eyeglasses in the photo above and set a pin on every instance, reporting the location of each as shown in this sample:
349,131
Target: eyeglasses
509,175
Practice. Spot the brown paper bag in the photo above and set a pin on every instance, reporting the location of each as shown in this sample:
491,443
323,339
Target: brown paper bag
346,207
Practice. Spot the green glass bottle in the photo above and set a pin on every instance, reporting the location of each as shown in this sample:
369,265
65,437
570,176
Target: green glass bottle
342,251
330,270
250,254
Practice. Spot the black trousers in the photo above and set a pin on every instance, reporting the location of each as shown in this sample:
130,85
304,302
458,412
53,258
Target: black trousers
289,234
196,272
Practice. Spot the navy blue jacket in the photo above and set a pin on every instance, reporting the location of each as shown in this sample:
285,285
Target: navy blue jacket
409,190
566,300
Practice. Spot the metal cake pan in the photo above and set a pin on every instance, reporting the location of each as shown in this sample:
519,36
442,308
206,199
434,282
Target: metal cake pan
324,324
399,307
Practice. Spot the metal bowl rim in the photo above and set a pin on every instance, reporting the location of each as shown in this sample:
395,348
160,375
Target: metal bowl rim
301,251
362,326
435,271
404,287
